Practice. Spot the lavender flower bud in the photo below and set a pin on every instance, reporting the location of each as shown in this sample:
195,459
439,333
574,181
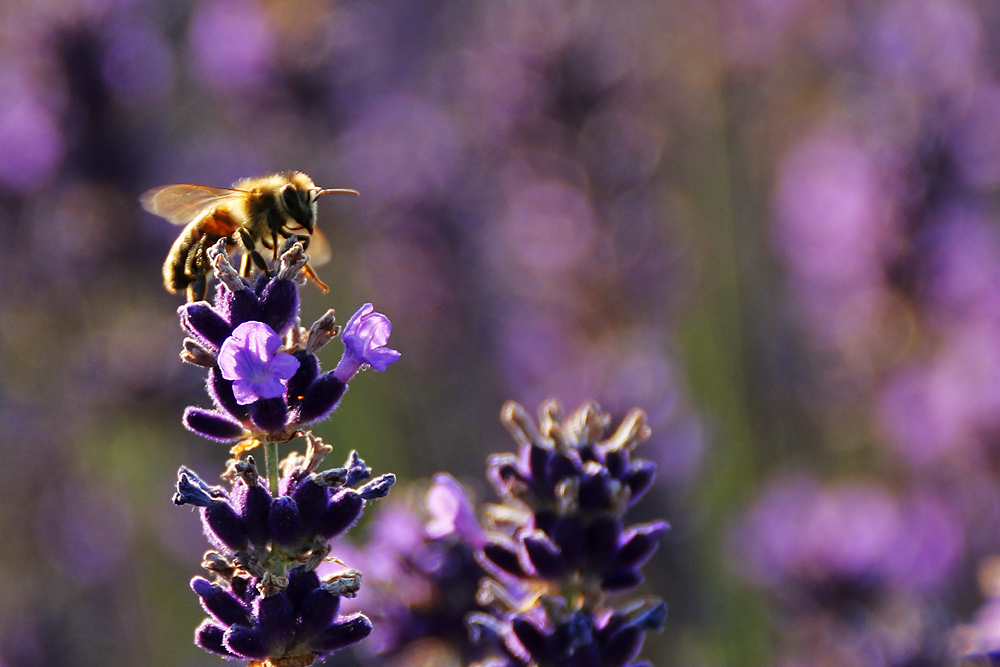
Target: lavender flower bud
269,414
247,642
220,603
349,631
279,305
285,522
209,636
320,398
204,324
344,510
213,425
277,621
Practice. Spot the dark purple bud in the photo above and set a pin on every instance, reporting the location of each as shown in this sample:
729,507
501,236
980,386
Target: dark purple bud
534,641
621,580
204,324
269,414
277,620
544,556
286,524
256,514
301,582
244,306
538,463
617,462
595,490
622,647
347,631
192,490
213,425
562,467
378,487
545,520
247,642
568,534
221,391
602,540
652,618
317,613
504,558
638,544
220,603
575,636
586,656
306,374
357,470
344,510
280,305
319,400
209,636
312,501
223,523
639,479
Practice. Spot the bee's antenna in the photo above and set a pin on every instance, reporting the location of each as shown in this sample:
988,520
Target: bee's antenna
344,191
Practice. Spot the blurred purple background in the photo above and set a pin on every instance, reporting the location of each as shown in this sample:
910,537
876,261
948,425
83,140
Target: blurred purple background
772,224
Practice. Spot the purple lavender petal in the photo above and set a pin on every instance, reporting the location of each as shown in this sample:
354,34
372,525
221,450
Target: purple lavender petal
248,358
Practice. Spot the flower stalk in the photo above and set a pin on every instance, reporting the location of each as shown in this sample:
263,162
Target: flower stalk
264,601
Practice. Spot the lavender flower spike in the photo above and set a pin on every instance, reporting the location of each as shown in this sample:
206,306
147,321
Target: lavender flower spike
250,358
365,336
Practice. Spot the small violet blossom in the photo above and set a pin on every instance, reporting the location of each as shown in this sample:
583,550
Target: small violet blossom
250,359
365,336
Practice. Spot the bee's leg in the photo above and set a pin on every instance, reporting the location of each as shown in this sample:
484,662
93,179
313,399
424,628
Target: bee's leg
311,275
274,224
251,251
197,290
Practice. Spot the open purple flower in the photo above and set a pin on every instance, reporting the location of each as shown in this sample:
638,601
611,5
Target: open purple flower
250,358
365,336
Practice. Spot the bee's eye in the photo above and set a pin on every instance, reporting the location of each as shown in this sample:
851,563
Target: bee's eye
290,197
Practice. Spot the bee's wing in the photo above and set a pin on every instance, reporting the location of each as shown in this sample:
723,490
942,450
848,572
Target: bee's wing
319,248
181,204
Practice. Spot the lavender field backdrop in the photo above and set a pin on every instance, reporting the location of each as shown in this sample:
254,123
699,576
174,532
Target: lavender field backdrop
773,225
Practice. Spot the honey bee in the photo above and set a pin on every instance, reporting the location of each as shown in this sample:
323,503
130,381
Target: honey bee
265,211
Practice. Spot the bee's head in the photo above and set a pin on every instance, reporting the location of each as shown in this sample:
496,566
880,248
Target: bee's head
300,205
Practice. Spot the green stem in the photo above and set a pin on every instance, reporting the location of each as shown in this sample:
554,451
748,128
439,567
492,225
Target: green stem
271,466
